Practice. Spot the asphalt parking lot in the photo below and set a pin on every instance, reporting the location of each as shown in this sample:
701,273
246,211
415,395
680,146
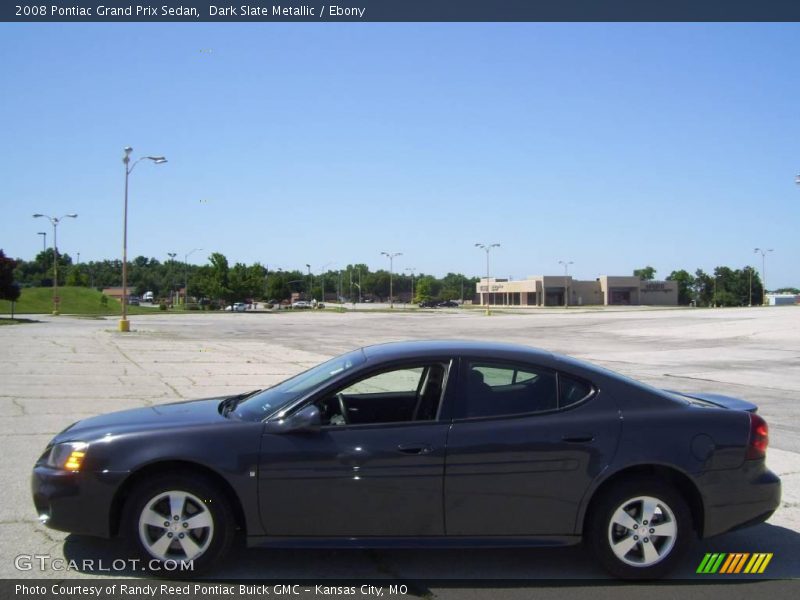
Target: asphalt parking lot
62,369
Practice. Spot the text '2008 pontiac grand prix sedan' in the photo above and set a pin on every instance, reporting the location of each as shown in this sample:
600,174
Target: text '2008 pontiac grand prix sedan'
419,444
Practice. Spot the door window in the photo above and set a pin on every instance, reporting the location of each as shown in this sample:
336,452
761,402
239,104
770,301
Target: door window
403,394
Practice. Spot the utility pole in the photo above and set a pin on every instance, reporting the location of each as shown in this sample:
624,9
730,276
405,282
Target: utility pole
763,253
566,264
391,256
54,221
487,248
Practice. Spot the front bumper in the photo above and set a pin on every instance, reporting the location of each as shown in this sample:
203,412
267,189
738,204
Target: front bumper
75,502
739,497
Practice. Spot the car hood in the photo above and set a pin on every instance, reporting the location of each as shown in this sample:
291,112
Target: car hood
182,414
719,400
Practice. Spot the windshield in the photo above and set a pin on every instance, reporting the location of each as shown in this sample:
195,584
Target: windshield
272,400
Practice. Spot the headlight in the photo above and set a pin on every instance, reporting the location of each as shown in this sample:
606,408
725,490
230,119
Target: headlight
68,456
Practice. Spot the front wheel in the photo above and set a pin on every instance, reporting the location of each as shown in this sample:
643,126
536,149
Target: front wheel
176,519
638,530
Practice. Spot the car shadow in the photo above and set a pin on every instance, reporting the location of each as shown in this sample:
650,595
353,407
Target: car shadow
437,568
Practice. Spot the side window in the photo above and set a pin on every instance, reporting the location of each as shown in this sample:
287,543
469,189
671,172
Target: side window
401,380
410,393
495,389
572,390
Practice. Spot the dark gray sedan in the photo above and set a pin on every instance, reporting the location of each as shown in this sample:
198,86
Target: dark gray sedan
419,444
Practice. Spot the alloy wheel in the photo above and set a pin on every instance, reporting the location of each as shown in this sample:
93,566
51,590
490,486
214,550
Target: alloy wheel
642,531
176,525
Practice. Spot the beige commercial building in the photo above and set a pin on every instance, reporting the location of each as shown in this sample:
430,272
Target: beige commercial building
549,290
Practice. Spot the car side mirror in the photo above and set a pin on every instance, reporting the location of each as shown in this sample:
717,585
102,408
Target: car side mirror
306,419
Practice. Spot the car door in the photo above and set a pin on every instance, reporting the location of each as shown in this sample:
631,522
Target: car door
525,444
376,473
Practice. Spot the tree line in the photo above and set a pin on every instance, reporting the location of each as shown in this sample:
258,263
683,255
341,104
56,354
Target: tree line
218,280
723,287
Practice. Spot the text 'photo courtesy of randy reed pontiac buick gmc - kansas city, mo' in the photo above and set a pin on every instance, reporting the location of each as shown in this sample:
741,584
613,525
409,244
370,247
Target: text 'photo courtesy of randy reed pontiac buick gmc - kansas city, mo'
419,444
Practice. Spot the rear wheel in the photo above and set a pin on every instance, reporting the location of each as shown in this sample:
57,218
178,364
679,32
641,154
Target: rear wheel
639,529
179,518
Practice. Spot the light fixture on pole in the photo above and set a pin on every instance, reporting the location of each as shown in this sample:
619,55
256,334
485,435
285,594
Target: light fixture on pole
763,253
566,264
310,280
124,325
54,221
487,248
411,270
186,275
391,256
44,240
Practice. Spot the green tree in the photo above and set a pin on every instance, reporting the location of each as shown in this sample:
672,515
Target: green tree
647,273
428,288
278,286
685,283
376,284
457,286
703,288
9,289
76,277
247,282
212,281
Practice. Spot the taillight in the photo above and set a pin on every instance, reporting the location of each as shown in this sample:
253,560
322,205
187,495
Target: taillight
759,438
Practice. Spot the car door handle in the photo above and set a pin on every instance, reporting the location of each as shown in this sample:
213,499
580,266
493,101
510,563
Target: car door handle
414,449
578,438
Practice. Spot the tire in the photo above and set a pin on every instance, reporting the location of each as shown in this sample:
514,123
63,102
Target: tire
618,517
178,517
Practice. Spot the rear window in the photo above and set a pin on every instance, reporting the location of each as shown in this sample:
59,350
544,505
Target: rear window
572,390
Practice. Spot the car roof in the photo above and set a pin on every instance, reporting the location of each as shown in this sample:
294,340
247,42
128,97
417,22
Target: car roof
421,348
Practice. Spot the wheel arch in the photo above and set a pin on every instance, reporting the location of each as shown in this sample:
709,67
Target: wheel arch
674,477
182,468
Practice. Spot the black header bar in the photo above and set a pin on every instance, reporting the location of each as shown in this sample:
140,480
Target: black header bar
198,11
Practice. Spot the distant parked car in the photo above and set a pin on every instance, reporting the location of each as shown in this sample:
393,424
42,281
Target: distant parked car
428,304
448,304
301,304
133,300
237,307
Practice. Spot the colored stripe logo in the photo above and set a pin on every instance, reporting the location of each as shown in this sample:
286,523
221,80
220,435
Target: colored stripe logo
734,562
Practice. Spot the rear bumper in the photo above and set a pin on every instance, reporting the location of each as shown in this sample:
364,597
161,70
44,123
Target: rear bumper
738,498
75,502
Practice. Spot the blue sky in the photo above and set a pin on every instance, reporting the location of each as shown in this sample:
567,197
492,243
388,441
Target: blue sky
610,145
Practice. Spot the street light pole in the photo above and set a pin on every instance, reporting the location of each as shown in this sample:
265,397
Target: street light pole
412,269
391,256
44,240
54,221
763,253
566,264
310,280
172,256
124,325
487,248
